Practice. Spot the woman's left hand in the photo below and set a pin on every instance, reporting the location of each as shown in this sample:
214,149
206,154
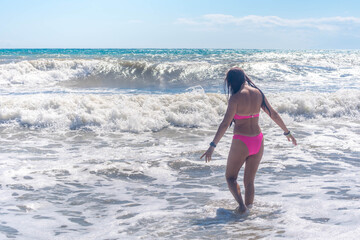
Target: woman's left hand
208,154
292,139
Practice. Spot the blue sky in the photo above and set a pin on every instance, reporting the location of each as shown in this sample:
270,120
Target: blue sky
269,24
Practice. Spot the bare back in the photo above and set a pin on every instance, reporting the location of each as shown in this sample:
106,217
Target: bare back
249,101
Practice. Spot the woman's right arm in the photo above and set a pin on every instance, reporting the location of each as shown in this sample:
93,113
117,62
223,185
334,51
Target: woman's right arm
277,119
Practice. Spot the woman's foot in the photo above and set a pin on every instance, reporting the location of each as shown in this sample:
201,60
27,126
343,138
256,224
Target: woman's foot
242,209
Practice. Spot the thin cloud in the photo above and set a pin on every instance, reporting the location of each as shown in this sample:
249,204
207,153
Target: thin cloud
135,21
324,24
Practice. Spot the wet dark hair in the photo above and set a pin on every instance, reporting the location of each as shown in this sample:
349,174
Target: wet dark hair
235,78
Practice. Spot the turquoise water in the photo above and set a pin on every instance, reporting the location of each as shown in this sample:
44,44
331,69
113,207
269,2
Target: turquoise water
135,51
175,70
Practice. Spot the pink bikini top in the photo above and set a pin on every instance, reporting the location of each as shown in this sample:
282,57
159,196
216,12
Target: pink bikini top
245,117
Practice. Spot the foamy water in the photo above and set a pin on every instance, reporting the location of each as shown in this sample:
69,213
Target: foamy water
105,144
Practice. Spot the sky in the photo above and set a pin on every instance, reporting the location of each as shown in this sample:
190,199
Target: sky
243,24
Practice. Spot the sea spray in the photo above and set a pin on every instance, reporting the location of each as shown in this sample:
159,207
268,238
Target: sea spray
146,112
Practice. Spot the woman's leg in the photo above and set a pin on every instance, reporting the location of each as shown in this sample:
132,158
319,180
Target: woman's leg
237,155
251,167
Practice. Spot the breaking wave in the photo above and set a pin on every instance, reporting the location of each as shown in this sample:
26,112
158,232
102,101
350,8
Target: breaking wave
109,73
139,113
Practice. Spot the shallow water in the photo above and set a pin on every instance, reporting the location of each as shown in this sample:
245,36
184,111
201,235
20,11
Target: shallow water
80,162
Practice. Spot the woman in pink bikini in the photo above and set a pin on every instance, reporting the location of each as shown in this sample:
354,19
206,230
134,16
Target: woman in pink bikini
247,145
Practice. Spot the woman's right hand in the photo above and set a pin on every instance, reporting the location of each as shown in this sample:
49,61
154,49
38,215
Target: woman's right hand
208,154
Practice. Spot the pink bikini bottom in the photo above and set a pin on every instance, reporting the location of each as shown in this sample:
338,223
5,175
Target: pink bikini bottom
253,143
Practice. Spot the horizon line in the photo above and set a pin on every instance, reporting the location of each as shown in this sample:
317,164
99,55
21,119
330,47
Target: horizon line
93,48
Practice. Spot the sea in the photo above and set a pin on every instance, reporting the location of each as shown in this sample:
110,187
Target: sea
106,144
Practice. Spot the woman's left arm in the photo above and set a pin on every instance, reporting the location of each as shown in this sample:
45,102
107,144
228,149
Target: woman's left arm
224,125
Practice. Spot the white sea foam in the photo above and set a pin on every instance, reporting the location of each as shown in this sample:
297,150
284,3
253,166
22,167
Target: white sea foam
138,113
106,73
80,163
272,70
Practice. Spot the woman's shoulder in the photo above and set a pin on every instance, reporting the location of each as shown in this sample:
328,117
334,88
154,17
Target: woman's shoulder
253,91
247,93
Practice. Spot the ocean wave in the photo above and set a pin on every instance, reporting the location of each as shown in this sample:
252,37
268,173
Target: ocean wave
284,71
110,73
316,105
120,112
139,113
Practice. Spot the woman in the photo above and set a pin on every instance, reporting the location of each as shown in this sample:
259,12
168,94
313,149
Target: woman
248,144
